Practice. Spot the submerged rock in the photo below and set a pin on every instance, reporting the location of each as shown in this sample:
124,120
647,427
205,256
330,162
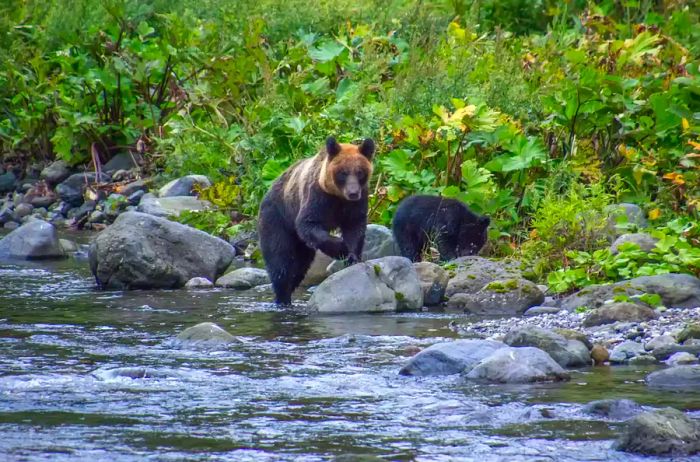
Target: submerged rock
502,296
616,409
243,278
433,281
384,284
518,365
34,240
677,378
567,353
205,333
450,357
184,186
140,251
662,432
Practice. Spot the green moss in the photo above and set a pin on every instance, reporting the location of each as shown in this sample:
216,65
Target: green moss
502,286
471,276
377,270
399,296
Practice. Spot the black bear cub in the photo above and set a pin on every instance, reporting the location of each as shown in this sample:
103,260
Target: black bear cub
420,220
312,198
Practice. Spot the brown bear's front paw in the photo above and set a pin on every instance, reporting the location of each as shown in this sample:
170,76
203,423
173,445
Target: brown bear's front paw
352,259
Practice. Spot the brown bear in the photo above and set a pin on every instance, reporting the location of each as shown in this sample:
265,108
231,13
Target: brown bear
309,200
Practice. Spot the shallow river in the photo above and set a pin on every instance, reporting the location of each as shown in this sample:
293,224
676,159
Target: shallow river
298,387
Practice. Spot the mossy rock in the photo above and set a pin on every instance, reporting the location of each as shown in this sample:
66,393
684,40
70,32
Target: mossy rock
690,331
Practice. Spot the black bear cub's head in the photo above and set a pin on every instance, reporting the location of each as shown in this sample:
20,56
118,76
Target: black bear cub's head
473,236
348,168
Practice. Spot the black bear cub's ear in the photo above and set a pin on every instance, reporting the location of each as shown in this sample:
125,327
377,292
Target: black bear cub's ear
484,221
332,147
367,148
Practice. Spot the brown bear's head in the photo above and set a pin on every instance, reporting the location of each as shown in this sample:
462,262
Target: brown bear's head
347,169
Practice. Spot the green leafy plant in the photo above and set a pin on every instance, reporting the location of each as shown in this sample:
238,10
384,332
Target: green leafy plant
676,251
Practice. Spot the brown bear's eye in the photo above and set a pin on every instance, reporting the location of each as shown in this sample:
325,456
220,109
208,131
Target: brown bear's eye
361,176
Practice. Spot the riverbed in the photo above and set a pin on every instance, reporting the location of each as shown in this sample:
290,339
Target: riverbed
98,375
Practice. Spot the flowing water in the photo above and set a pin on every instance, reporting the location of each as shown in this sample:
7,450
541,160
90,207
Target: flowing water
90,375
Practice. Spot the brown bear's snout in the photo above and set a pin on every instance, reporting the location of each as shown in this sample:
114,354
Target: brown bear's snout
352,190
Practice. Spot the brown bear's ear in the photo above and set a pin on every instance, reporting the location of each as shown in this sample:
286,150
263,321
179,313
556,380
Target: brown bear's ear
367,148
332,147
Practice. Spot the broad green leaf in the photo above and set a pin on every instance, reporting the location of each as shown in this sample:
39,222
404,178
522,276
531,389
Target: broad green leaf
326,51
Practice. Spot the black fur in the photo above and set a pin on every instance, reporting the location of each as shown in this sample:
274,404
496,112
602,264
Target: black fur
292,228
455,229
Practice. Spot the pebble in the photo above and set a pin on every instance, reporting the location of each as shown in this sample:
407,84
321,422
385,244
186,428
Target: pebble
655,332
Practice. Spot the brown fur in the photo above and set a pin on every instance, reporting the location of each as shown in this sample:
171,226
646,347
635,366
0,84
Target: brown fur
312,198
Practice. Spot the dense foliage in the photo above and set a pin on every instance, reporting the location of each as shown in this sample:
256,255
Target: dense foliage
530,111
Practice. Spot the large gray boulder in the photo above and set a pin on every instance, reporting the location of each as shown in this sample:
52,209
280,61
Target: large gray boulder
624,214
645,242
318,271
676,291
56,172
384,284
433,282
184,186
499,297
450,357
379,243
8,182
72,189
472,273
664,432
171,205
660,341
518,365
567,353
243,278
622,312
141,251
34,240
677,378
123,161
